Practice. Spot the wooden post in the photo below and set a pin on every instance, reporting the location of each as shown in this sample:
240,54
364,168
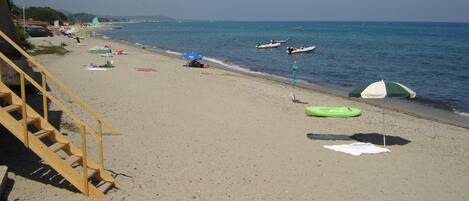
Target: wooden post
100,143
384,131
23,110
44,97
84,158
1,75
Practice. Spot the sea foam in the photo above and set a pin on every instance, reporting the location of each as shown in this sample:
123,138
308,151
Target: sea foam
172,52
464,114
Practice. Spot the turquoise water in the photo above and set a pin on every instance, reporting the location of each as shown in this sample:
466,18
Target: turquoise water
430,58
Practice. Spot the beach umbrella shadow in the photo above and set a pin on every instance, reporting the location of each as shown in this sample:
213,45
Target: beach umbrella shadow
328,137
373,138
377,139
382,89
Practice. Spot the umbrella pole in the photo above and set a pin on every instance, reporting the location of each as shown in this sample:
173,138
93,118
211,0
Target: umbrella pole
292,95
384,132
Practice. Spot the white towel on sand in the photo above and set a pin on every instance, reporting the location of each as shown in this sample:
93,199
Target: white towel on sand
357,148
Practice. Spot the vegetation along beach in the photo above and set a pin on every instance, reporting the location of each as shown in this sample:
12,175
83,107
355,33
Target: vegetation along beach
124,103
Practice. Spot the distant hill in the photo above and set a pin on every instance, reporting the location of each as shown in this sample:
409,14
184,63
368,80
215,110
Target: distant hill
49,14
45,14
65,12
81,17
147,18
88,17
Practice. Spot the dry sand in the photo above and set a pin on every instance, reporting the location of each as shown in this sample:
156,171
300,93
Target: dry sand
211,134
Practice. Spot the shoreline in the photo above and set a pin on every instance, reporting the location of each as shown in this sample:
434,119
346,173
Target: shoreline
214,134
413,108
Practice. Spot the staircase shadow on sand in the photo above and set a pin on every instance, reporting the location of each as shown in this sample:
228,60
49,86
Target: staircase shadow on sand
373,138
21,160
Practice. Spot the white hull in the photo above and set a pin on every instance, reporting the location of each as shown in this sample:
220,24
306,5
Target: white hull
270,45
302,50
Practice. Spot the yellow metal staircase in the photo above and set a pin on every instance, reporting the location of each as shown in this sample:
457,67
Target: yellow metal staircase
40,136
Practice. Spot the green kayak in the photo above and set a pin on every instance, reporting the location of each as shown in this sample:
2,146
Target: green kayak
332,111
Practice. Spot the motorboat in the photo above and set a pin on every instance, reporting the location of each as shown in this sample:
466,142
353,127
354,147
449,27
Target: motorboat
292,50
269,45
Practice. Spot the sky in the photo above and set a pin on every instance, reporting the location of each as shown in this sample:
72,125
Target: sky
272,10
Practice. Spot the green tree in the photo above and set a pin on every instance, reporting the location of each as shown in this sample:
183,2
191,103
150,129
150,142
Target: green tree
15,10
45,14
23,36
81,17
85,18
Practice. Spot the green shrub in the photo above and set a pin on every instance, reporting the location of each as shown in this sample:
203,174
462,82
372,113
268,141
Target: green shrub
45,14
23,36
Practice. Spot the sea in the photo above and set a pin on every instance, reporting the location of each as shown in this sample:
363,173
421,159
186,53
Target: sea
430,58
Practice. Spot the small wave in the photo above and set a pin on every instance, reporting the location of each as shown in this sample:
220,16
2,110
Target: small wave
172,52
147,46
138,44
232,66
464,114
241,69
433,103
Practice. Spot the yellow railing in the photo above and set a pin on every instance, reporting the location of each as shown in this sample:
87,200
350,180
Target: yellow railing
46,95
47,76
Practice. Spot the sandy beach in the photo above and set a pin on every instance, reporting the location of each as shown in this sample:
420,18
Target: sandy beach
212,134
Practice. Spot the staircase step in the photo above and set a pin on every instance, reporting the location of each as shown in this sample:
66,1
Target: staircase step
42,134
91,172
12,108
57,146
105,186
73,159
4,94
29,120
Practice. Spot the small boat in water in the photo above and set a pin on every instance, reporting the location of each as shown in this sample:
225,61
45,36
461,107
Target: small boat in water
297,28
117,27
292,50
269,45
278,41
